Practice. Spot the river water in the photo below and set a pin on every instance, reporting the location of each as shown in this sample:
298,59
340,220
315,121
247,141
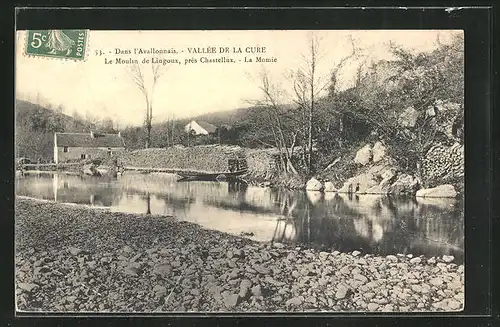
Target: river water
368,223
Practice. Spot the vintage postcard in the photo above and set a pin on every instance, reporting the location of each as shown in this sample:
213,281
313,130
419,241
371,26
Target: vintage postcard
239,171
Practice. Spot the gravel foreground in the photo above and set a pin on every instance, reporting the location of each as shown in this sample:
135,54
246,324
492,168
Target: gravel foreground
79,259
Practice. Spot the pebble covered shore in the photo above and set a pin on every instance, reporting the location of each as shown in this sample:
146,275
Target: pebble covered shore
78,259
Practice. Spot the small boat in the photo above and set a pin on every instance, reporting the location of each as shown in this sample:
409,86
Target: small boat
209,176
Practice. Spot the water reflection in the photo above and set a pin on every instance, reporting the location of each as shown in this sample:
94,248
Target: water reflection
370,223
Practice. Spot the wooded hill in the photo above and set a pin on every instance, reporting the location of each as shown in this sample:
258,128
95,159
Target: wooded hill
35,126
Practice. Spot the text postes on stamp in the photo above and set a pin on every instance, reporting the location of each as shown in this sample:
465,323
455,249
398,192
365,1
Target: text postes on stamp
65,44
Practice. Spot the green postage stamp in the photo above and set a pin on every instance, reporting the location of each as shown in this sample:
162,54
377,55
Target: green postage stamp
65,44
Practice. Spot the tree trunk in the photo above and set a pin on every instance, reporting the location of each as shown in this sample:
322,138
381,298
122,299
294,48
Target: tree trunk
148,135
148,202
291,167
311,106
418,173
309,140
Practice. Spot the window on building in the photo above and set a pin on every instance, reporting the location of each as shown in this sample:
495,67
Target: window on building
109,151
83,156
65,149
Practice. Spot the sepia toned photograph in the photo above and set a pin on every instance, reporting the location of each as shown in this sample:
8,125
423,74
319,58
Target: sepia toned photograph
162,171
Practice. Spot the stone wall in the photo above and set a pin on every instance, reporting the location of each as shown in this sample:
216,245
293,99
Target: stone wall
443,164
262,165
208,158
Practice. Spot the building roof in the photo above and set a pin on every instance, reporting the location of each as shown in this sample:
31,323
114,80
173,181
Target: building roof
207,126
89,140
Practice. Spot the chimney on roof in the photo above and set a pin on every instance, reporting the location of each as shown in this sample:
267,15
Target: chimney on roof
119,134
92,134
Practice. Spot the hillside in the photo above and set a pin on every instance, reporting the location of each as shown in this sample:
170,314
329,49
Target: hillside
248,127
231,117
223,118
26,111
39,118
35,126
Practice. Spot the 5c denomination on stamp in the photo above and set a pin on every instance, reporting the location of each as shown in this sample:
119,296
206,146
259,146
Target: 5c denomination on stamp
65,44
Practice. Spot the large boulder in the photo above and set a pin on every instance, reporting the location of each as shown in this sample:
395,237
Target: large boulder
389,174
314,185
405,184
379,151
449,117
388,177
359,184
387,182
364,155
441,191
329,187
378,170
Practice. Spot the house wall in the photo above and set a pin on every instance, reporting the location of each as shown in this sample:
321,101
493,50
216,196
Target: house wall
74,153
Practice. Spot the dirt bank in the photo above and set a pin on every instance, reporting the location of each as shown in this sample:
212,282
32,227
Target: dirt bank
72,258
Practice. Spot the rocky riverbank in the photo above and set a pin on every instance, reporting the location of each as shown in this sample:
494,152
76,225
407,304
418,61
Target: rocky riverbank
72,258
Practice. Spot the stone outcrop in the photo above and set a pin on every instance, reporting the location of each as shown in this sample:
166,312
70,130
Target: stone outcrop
441,191
364,155
379,151
389,174
388,178
405,184
359,184
449,118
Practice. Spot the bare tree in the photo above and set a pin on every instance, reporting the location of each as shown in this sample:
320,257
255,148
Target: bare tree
275,115
137,74
308,85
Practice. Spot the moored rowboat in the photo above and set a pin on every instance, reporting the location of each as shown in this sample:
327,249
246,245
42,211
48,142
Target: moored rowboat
209,176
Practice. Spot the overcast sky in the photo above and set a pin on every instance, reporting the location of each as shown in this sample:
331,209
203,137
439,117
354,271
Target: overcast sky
189,90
